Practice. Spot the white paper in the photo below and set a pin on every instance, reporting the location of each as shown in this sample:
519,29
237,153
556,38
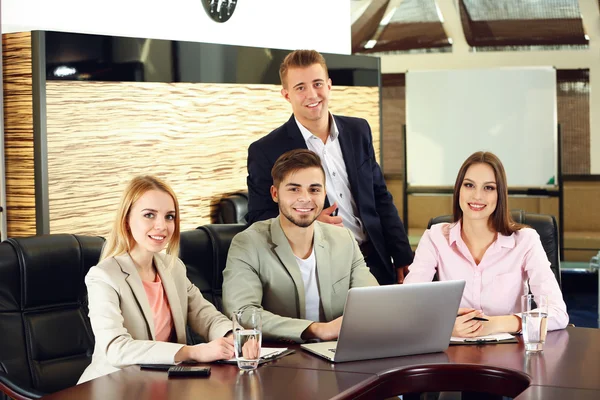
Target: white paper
497,336
265,352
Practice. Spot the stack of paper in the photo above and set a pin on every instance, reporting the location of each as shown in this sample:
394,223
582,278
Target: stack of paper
496,338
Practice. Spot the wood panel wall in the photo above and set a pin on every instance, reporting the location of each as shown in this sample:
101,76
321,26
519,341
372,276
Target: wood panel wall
195,136
18,134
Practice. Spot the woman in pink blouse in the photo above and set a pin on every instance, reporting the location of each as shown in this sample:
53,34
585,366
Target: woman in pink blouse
494,255
140,299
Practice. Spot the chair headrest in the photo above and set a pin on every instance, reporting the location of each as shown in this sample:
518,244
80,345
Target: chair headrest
45,270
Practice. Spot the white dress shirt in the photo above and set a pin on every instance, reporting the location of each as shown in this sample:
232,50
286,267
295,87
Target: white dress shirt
337,184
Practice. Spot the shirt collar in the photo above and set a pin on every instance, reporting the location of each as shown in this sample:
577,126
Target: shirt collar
454,234
306,134
506,241
501,240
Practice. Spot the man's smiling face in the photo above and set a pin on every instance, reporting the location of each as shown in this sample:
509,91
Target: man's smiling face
307,89
301,196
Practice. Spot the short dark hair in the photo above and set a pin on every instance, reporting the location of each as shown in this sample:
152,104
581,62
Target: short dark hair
293,161
300,59
500,220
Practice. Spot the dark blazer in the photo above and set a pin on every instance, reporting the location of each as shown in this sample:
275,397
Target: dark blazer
374,202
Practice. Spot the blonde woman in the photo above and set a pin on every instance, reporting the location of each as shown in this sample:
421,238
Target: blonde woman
140,299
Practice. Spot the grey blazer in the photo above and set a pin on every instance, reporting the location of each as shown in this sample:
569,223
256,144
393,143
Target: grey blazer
262,271
123,322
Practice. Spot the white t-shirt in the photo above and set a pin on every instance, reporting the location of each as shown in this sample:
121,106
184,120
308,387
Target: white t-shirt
308,269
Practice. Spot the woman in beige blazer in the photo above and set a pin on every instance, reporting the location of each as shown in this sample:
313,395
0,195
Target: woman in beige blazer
122,317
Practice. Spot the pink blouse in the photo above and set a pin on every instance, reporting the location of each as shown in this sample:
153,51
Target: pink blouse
163,320
496,284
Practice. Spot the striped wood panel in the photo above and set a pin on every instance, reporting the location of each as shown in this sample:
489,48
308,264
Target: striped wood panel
195,136
18,134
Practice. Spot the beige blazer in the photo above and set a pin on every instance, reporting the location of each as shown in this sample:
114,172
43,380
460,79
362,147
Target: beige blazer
262,271
123,322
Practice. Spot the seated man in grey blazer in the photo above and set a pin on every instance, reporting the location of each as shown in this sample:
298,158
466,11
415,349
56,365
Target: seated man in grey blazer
297,269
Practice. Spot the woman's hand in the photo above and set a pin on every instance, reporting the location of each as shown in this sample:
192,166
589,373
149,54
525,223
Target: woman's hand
500,324
251,349
218,349
465,325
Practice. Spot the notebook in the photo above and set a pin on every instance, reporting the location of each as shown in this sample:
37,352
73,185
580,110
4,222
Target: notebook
489,339
266,354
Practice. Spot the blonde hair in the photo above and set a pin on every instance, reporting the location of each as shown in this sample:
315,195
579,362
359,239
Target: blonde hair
120,240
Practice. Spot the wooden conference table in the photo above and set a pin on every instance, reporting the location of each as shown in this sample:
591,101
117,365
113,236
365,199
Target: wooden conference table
568,368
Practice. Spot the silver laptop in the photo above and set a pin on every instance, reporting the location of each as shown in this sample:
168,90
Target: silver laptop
394,320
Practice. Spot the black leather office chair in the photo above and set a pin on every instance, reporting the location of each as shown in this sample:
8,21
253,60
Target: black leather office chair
46,338
204,253
233,208
546,227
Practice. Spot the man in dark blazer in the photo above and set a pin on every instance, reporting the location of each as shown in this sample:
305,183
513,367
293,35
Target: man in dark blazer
355,185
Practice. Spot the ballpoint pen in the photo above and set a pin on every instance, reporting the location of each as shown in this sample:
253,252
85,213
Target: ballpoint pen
487,340
477,318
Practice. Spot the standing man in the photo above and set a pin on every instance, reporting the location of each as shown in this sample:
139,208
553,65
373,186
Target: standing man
357,197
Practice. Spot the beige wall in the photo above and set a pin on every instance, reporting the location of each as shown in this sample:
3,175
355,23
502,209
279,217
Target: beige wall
196,136
101,134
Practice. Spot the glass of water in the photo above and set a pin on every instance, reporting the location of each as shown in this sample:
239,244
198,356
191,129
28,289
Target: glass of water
534,321
247,337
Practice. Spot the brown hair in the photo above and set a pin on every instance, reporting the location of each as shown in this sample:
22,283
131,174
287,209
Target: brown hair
293,161
300,59
121,240
500,220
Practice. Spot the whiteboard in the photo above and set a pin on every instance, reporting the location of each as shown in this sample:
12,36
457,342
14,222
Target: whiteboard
509,111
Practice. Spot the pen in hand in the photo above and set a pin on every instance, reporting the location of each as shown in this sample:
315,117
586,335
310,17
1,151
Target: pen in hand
477,318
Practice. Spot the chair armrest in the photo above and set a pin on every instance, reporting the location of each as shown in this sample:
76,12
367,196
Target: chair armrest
15,391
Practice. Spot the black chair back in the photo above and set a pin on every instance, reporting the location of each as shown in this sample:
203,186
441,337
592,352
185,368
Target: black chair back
204,253
47,339
546,227
233,208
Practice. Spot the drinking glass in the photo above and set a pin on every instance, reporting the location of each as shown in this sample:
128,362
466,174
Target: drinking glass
534,321
247,337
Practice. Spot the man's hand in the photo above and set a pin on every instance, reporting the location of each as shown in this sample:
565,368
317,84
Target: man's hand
327,218
323,330
401,272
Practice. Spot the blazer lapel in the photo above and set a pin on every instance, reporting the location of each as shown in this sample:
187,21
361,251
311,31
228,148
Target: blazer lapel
349,156
173,297
296,139
324,265
287,258
137,288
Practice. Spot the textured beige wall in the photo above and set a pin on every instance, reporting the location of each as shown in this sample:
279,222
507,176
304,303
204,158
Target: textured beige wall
195,136
18,134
